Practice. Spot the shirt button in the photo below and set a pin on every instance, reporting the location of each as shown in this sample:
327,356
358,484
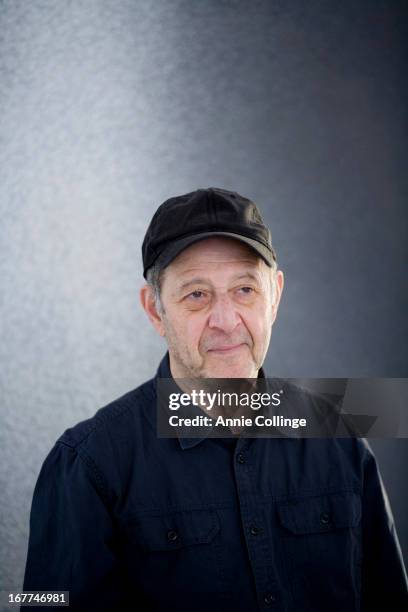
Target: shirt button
269,599
325,518
241,458
172,535
255,530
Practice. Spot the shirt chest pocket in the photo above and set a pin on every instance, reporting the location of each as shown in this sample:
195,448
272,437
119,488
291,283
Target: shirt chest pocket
177,551
321,538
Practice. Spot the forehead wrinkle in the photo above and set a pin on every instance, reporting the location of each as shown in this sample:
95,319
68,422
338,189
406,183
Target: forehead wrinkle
253,262
218,261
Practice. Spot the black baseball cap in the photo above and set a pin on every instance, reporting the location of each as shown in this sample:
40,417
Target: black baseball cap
183,220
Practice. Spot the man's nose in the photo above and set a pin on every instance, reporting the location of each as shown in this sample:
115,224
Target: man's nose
224,315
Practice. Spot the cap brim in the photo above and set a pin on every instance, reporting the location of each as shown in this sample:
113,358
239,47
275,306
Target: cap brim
176,247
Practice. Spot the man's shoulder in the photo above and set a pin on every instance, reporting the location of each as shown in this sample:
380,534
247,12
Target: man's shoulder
114,420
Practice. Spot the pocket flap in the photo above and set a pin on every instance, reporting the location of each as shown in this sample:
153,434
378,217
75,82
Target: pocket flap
320,513
175,530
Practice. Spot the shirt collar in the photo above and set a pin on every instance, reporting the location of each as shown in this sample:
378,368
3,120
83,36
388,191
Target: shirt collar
164,371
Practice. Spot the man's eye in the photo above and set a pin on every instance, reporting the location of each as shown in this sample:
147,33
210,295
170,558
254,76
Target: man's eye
196,294
246,290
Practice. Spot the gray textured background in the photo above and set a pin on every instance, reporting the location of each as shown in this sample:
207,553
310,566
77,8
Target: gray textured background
110,107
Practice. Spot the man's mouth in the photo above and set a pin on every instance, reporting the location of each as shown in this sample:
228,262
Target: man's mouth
226,348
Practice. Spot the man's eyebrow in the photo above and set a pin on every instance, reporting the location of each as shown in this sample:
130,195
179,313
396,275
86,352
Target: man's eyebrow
198,280
194,281
248,274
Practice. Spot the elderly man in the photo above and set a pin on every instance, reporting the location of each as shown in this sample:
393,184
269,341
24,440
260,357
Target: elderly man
124,519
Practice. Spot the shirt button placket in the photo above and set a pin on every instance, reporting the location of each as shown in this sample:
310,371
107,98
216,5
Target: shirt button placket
255,536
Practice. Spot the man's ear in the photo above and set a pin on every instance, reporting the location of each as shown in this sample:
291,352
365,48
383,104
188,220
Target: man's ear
149,305
279,282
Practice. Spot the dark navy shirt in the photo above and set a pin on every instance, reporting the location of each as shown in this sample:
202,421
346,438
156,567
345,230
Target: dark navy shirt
126,520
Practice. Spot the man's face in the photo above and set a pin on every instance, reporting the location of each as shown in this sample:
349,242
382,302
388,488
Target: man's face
218,310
